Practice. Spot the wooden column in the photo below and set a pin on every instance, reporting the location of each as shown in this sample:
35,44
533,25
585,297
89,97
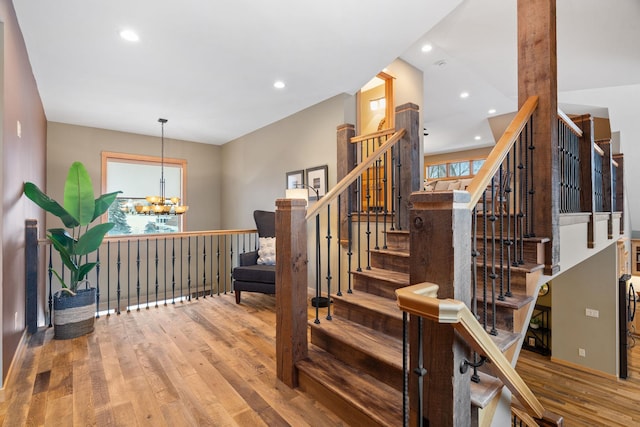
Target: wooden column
291,288
31,275
619,158
537,75
408,118
345,163
441,253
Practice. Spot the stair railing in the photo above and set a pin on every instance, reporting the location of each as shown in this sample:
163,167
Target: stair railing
141,271
344,226
363,243
501,203
421,301
569,135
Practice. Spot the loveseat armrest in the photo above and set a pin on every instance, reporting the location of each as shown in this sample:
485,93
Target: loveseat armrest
249,258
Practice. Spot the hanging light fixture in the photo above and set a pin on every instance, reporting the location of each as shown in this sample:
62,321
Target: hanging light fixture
161,205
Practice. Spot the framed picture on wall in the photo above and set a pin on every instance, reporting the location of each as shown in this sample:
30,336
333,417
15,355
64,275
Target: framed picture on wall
317,179
295,179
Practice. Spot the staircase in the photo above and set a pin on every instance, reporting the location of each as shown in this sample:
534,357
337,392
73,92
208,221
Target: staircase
355,359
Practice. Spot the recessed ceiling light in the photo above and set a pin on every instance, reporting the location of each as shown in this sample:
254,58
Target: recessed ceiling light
492,111
427,48
464,95
279,84
129,35
477,138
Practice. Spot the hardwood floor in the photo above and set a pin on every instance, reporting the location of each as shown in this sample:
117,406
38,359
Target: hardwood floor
584,399
212,362
207,362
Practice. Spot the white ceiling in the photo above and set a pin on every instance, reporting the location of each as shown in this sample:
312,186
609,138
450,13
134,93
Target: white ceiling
209,67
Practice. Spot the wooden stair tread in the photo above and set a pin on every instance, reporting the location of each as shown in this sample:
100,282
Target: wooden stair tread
483,392
515,301
387,275
376,344
505,339
372,302
382,403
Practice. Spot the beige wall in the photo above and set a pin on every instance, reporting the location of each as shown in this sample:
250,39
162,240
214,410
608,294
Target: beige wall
589,284
255,165
23,159
68,143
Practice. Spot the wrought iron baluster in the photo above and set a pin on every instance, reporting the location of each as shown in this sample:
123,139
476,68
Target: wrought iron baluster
157,260
197,252
128,276
317,266
173,270
98,283
108,283
328,277
385,204
204,269
50,272
218,265
118,264
189,267
338,249
138,260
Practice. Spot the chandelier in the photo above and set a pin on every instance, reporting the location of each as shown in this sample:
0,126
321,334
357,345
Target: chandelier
161,205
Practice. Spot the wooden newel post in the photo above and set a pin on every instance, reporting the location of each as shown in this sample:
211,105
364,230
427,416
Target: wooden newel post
408,179
291,288
440,225
31,275
346,162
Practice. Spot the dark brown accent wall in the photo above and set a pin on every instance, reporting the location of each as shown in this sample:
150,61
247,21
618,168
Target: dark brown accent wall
23,159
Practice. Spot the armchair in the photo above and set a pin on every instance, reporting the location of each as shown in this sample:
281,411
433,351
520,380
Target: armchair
256,274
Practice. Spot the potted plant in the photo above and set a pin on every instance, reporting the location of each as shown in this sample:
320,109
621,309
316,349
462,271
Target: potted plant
73,308
535,323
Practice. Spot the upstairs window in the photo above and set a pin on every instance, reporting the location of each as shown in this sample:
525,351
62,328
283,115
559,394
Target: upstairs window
138,177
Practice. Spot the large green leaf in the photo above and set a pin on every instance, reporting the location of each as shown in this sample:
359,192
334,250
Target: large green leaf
78,194
65,245
103,202
91,240
48,204
84,270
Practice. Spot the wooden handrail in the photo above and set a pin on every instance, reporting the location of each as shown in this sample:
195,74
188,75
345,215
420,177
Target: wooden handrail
570,124
354,174
377,134
421,300
500,151
598,150
156,236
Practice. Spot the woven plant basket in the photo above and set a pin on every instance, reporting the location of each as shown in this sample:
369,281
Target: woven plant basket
73,316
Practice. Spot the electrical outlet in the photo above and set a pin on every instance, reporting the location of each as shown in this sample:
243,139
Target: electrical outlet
591,312
15,320
19,129
582,352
